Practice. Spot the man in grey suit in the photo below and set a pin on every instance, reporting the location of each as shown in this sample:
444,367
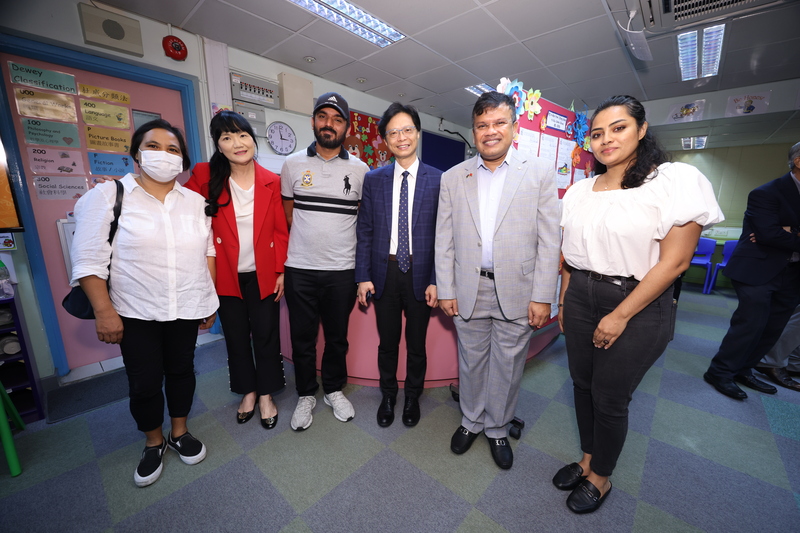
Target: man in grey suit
497,255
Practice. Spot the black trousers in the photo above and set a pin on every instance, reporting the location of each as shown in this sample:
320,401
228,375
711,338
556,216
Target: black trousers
258,368
156,353
757,323
398,296
604,380
313,296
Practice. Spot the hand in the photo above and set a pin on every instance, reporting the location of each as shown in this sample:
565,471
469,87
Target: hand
538,314
430,296
608,331
450,307
278,287
207,322
365,289
109,327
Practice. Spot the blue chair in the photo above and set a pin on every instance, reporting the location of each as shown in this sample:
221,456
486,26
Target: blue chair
727,250
702,257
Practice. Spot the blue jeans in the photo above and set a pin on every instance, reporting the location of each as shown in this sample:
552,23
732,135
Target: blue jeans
604,380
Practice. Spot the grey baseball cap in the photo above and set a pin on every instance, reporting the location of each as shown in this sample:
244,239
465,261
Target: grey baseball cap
335,101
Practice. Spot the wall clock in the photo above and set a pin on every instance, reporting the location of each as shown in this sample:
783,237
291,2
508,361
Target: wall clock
282,138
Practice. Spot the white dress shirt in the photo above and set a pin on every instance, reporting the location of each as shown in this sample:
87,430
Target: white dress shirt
243,202
396,185
159,269
490,190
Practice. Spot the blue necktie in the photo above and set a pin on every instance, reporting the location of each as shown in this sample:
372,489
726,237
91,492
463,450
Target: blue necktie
403,257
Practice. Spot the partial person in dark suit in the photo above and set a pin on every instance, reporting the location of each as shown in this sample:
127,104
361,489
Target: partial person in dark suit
766,277
394,257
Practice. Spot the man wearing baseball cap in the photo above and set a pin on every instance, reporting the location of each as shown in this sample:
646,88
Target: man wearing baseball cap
321,190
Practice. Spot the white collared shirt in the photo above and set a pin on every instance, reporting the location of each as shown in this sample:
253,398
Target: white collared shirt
396,185
159,269
490,190
243,202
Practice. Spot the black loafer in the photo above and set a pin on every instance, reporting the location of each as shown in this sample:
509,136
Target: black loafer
386,411
569,477
244,417
779,376
728,388
411,412
462,440
269,423
585,498
756,384
501,452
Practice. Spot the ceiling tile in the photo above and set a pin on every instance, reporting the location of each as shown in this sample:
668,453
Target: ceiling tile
562,96
608,86
501,62
664,50
392,92
173,12
764,27
599,65
349,74
560,46
292,51
339,39
526,19
288,15
658,75
461,97
468,35
539,78
435,104
445,79
413,16
785,55
461,116
405,59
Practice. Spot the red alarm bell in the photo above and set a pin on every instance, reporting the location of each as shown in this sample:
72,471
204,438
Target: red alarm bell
174,47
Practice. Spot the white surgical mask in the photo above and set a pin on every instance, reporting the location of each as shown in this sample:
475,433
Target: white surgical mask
161,166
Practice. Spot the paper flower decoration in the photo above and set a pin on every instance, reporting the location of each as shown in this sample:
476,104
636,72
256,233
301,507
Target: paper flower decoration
576,155
532,103
586,143
580,127
568,131
518,94
504,83
543,124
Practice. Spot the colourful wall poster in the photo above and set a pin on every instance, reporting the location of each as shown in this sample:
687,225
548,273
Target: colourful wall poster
55,106
59,187
55,161
364,141
41,78
102,114
50,133
108,140
104,94
688,112
110,164
7,242
747,104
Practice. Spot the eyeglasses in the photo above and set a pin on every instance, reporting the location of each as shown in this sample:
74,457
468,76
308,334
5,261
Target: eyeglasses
484,126
408,131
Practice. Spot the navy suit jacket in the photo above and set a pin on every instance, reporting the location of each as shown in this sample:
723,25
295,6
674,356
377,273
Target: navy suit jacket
769,208
374,228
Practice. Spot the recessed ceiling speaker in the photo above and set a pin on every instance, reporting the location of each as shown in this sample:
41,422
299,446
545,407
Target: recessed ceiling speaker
110,30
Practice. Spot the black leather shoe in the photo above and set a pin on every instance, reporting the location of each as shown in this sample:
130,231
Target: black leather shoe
269,423
779,376
569,477
244,417
793,373
411,412
501,452
728,388
754,383
585,498
386,411
462,440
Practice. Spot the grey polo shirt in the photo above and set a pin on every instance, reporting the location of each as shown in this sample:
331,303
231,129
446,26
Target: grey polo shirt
326,196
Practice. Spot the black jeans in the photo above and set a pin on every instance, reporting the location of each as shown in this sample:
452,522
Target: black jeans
311,296
156,353
258,368
604,380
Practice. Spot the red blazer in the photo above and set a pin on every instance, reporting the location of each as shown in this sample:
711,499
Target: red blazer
270,233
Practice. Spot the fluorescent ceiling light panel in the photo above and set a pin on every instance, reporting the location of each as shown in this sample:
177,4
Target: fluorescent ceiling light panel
712,49
694,143
353,19
700,142
478,90
687,55
686,142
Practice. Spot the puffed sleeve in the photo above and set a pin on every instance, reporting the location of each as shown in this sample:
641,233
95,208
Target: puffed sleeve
689,198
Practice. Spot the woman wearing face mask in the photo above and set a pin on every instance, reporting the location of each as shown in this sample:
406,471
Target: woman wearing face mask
251,238
161,286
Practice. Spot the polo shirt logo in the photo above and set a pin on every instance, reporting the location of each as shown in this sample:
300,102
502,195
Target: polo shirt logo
346,189
307,176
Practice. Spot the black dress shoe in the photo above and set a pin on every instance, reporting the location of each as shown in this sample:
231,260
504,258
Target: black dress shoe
462,440
411,412
244,417
757,384
501,452
779,376
386,411
728,388
569,477
269,423
585,498
793,373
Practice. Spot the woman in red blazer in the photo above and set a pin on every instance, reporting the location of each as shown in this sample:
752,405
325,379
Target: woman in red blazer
251,238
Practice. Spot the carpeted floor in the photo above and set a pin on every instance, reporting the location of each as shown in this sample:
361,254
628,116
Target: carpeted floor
694,460
84,396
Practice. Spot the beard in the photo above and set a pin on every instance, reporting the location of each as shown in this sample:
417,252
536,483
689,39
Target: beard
328,142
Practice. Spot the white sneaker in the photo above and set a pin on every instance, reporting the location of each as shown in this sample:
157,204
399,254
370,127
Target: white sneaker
302,417
342,408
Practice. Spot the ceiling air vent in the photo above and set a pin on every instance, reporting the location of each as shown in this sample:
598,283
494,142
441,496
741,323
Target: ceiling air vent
667,14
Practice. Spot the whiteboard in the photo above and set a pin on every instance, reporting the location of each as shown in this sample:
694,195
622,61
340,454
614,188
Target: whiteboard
66,231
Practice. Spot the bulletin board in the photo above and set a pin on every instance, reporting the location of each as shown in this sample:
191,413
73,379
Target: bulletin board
364,142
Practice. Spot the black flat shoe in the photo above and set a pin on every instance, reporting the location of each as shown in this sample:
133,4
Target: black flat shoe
501,452
269,423
244,417
411,412
462,439
386,411
756,384
585,498
569,477
728,388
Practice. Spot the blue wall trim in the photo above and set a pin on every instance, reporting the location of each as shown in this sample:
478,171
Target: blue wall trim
70,58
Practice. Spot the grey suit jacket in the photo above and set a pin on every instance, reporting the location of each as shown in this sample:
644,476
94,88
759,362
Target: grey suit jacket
527,237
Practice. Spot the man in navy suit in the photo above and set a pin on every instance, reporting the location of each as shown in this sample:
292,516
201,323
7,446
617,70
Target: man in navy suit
394,257
766,276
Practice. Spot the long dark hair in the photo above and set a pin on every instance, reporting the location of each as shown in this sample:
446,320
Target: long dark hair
219,167
649,153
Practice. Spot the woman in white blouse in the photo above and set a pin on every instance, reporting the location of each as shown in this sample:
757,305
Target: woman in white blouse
628,234
161,287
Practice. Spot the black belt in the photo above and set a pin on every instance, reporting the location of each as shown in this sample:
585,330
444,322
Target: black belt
487,274
616,280
393,257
